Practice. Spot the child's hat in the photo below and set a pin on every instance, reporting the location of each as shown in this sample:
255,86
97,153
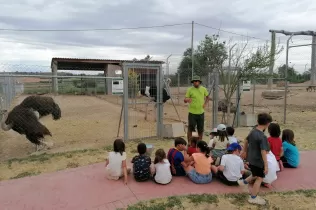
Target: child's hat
234,146
221,127
214,130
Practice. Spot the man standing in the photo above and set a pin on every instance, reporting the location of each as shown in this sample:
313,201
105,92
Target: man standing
197,97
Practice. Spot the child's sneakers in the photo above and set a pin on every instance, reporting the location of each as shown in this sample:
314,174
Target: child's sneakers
257,200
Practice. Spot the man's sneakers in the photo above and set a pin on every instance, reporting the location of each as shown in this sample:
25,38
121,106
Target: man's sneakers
257,200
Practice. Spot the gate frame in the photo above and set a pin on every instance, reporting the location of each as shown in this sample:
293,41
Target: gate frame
159,103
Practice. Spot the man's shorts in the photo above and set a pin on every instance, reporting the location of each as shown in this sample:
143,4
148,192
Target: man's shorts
196,120
256,171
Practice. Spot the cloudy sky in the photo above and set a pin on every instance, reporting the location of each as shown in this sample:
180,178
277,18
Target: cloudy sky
32,50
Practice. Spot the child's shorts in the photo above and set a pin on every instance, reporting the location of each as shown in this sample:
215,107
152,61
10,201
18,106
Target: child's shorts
179,171
199,178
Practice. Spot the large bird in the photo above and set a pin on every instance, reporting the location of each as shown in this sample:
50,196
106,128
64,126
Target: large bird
151,92
24,118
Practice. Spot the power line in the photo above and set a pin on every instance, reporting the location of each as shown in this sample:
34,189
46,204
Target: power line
230,32
95,29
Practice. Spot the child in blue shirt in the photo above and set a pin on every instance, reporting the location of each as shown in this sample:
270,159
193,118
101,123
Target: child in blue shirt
291,155
176,158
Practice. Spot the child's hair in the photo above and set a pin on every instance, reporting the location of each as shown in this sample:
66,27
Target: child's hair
222,135
159,156
119,146
194,140
274,130
264,119
141,148
178,141
202,145
230,130
288,135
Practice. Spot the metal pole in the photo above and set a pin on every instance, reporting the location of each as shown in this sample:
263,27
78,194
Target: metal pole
238,103
313,61
285,74
192,50
167,65
178,88
272,54
125,101
215,99
253,96
229,88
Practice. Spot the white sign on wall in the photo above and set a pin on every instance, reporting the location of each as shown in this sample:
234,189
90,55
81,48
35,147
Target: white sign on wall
246,85
117,86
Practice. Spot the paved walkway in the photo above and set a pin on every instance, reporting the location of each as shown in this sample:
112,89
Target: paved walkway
86,188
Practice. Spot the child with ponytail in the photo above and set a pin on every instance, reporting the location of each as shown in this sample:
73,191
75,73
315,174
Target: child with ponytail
201,172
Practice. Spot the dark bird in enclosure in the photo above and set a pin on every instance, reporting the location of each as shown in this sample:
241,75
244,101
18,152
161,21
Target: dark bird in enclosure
151,92
24,118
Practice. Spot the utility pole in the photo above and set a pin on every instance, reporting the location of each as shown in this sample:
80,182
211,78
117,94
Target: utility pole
272,57
167,65
192,50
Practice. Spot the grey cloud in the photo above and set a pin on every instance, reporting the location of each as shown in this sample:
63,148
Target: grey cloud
129,13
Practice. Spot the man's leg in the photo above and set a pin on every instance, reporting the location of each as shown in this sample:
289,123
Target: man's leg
200,125
191,126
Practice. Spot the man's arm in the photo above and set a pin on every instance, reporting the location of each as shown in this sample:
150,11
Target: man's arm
187,98
207,97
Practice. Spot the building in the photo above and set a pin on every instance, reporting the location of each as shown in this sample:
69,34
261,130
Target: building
108,66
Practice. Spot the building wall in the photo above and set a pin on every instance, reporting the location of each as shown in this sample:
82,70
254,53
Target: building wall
110,72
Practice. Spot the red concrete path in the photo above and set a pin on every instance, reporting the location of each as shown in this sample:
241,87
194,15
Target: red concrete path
86,188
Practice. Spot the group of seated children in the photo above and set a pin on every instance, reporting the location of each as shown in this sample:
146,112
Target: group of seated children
200,161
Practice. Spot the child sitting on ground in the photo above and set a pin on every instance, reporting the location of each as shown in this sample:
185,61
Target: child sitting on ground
192,147
141,164
291,155
231,168
115,166
273,167
220,144
162,173
213,134
275,142
176,158
201,172
230,132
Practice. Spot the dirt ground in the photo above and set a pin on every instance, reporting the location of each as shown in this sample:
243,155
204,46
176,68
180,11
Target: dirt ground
287,200
89,124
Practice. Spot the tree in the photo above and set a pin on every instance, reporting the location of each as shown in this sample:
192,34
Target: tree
210,54
247,65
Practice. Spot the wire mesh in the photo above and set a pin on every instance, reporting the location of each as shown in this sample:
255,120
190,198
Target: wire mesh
89,113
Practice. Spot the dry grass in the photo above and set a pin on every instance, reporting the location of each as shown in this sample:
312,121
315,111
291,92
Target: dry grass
286,200
89,125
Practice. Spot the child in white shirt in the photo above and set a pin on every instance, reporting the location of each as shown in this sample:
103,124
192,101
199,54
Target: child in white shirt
230,133
115,166
231,169
162,174
273,167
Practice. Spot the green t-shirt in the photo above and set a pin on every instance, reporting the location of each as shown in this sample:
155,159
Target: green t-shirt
197,95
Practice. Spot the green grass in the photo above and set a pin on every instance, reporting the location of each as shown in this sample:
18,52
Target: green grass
25,174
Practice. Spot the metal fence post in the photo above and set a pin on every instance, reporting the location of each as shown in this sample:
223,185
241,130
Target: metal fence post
215,98
253,96
125,101
178,88
159,101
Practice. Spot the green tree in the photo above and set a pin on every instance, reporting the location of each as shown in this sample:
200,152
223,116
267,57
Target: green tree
210,54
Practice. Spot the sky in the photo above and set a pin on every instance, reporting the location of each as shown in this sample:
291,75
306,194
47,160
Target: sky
33,50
